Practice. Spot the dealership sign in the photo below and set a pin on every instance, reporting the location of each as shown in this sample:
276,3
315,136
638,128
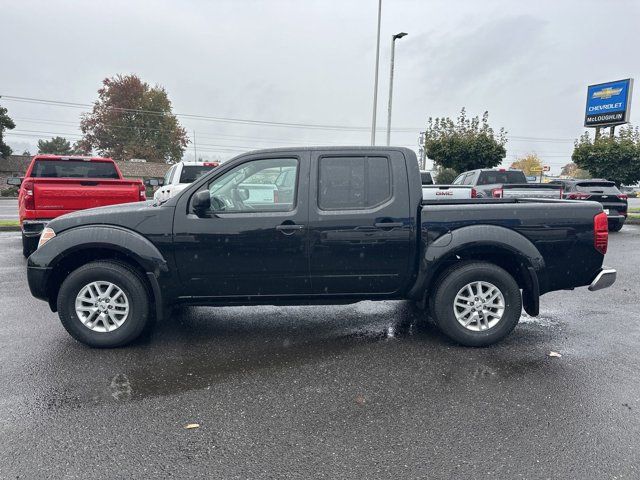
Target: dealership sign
608,103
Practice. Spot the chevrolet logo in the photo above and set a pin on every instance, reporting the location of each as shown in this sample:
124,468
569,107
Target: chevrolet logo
607,93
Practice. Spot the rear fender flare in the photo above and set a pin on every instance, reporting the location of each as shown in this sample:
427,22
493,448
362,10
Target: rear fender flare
453,245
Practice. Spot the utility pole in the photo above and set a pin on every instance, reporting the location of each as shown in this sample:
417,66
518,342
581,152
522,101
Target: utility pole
375,83
195,148
393,54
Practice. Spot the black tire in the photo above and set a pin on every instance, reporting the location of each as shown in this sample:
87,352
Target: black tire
454,279
128,280
29,245
616,226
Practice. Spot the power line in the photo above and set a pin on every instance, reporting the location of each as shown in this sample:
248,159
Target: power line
61,103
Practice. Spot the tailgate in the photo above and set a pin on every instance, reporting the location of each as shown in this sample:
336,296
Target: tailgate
446,192
532,190
77,194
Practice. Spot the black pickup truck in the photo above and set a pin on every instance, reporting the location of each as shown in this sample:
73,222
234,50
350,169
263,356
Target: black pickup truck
355,227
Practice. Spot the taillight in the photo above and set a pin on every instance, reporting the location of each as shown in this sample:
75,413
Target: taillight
600,232
578,196
474,193
143,191
561,192
276,197
29,198
622,196
496,193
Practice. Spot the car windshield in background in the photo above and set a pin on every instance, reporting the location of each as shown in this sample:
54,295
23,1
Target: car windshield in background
190,173
490,178
598,187
73,169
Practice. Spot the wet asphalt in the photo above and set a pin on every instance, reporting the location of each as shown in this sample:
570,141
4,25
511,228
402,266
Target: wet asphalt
361,391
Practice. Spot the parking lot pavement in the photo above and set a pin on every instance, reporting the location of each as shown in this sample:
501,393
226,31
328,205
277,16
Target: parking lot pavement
359,391
8,208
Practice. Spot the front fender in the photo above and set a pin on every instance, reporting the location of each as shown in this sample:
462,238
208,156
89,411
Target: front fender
125,241
477,238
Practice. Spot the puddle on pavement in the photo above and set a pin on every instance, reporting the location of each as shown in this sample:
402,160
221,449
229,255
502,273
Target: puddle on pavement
202,347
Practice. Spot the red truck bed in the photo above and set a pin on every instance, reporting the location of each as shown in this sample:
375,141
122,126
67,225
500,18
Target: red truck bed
55,185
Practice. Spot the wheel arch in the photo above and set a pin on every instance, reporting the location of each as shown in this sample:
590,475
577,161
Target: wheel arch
79,246
497,245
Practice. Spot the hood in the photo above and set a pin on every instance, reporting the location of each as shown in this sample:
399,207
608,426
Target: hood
128,215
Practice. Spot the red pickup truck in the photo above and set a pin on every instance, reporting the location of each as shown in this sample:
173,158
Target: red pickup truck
54,185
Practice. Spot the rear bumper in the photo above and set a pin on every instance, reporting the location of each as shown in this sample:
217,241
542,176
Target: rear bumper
604,279
33,228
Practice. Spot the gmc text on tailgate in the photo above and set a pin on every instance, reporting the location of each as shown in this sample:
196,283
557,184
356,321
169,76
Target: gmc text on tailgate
54,185
353,227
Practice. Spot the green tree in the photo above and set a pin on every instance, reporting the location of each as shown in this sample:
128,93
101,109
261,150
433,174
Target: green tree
530,164
445,176
572,170
5,124
464,144
130,119
55,146
80,148
615,158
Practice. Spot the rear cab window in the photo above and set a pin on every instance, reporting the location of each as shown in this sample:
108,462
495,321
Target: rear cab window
347,183
74,169
190,173
498,177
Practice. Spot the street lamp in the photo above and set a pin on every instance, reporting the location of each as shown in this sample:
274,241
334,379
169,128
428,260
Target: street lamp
375,82
393,51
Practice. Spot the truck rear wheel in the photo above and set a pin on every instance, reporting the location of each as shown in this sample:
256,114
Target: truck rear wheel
476,303
104,304
29,245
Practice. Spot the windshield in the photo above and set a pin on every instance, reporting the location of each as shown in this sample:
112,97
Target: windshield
190,173
73,169
507,177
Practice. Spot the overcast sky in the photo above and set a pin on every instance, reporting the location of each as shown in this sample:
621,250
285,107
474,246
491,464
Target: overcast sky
527,62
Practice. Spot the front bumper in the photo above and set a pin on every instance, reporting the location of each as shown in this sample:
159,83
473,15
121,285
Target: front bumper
37,278
604,279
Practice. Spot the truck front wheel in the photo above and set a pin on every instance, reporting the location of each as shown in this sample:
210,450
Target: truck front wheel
476,303
104,304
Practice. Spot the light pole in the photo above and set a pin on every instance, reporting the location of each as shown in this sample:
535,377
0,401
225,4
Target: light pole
375,83
393,52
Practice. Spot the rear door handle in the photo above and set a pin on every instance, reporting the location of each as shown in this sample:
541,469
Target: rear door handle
388,224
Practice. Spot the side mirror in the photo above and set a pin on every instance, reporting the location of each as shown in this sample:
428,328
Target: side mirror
17,181
201,202
154,182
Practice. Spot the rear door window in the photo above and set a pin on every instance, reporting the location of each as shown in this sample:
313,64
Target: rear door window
73,169
353,182
468,179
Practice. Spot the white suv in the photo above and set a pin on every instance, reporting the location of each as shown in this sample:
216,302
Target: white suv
180,176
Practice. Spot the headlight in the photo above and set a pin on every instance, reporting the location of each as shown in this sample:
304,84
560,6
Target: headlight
47,234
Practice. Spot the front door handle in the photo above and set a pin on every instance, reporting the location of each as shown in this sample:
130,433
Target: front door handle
289,228
388,224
